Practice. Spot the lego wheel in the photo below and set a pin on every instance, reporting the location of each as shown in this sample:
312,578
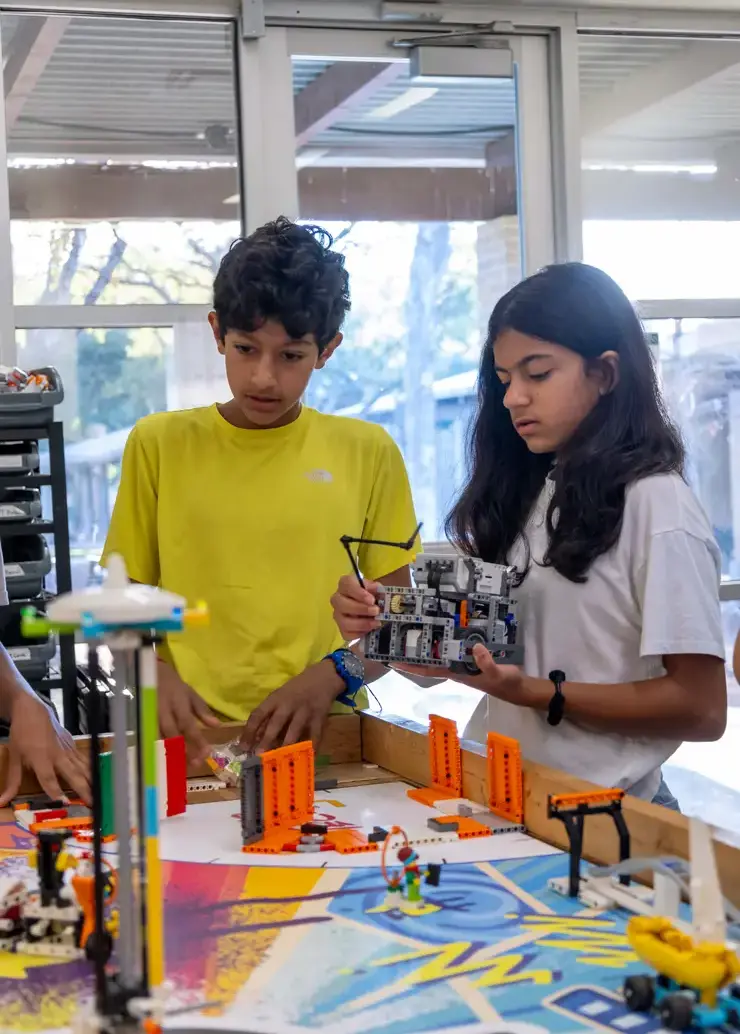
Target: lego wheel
677,1012
639,993
99,948
466,651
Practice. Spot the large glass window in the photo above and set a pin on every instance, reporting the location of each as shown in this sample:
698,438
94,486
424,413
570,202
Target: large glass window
417,181
660,163
115,377
659,174
124,193
122,157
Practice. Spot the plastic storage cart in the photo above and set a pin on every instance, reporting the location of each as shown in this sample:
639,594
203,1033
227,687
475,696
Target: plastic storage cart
26,419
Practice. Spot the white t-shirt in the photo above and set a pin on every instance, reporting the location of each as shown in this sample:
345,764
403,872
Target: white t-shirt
655,593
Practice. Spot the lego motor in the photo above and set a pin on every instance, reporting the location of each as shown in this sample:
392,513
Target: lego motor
457,603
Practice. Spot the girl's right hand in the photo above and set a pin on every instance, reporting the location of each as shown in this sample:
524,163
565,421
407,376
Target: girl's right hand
355,609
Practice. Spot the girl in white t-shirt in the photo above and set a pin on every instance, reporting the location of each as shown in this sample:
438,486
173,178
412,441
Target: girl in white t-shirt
576,478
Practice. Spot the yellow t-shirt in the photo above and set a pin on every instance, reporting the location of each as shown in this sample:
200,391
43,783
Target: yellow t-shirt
249,521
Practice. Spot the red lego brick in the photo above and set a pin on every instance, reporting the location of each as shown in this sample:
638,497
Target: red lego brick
177,787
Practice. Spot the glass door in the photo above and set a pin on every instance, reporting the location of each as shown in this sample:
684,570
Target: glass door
431,167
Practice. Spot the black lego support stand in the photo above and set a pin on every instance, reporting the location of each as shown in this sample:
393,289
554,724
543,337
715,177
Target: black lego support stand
572,810
348,541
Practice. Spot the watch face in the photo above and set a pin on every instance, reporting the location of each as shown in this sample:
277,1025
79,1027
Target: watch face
353,664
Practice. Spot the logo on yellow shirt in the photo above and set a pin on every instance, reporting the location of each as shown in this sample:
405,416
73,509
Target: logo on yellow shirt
319,476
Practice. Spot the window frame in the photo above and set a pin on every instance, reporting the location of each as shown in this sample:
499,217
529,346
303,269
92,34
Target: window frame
550,190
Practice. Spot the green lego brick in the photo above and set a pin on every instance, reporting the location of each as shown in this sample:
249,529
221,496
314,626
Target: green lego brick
321,761
107,794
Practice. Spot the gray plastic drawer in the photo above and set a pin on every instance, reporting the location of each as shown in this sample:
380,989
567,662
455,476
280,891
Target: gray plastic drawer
33,659
17,457
27,562
19,504
21,408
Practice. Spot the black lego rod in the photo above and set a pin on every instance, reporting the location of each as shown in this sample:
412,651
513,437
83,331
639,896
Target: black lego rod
101,984
348,541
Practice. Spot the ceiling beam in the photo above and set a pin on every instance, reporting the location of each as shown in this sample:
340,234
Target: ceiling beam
31,47
402,194
333,94
697,62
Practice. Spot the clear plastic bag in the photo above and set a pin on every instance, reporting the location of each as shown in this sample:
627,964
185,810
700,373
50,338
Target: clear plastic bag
225,761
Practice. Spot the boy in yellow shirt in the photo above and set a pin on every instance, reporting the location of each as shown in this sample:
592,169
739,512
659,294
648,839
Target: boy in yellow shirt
243,504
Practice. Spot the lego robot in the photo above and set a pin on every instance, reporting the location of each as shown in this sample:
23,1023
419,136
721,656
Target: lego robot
457,603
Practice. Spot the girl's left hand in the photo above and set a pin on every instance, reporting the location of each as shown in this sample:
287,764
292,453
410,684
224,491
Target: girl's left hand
504,681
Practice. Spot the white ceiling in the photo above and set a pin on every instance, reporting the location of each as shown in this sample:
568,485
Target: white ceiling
605,62
659,100
149,89
119,86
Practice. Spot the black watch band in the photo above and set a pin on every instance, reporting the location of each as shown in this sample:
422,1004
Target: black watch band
556,707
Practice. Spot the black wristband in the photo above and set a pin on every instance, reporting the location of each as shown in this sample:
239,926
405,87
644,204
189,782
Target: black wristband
556,707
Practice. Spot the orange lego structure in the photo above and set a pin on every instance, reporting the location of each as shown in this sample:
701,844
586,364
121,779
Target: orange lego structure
287,782
81,822
277,796
83,885
465,827
571,809
589,799
285,789
349,841
445,760
505,785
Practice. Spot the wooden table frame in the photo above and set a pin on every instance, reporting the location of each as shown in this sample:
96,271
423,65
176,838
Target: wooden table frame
367,748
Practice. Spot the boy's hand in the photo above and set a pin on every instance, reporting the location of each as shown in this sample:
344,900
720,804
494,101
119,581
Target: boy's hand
295,712
38,742
355,609
182,712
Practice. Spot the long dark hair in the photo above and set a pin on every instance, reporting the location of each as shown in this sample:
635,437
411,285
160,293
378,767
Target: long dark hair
627,436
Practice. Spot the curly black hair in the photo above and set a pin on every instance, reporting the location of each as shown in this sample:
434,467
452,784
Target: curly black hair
627,436
287,273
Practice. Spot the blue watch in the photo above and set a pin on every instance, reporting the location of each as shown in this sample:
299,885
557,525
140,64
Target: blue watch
352,672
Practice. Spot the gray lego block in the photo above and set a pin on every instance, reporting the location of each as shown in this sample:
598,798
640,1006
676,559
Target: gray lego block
251,800
442,827
326,784
496,824
77,811
464,811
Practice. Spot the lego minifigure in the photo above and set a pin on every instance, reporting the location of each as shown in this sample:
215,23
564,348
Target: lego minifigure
409,859
406,885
